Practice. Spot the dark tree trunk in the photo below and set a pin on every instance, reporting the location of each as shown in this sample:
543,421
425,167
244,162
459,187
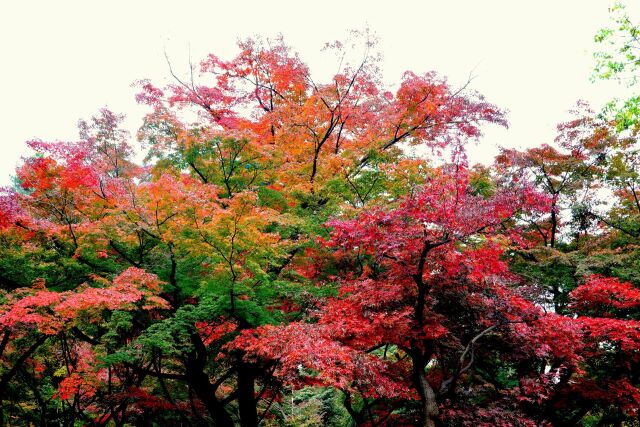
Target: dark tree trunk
554,225
200,384
247,403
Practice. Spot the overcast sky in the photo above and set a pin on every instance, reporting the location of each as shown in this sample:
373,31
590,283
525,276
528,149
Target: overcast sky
63,60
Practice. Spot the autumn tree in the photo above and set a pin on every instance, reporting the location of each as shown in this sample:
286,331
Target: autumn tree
227,212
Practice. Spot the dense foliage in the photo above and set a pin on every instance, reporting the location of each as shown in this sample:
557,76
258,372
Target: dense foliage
299,253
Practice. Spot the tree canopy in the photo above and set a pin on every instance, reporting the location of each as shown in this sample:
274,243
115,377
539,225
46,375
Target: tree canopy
282,258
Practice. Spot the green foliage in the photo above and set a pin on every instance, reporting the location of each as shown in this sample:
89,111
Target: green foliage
311,407
619,60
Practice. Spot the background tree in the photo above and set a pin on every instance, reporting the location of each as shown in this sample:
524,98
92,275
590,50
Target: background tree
619,60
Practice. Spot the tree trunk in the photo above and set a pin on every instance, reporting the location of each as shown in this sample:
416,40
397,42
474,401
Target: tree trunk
247,404
199,382
425,391
554,225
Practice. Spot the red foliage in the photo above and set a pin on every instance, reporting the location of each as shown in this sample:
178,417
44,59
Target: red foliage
611,336
214,331
600,295
50,312
308,356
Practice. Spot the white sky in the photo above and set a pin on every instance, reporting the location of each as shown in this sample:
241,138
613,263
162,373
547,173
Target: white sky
63,60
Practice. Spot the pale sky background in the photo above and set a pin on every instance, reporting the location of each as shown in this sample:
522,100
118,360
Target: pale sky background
63,60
